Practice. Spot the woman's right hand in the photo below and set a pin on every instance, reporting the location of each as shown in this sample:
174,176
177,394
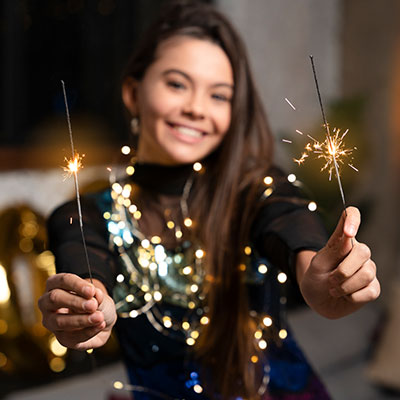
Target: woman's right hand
80,314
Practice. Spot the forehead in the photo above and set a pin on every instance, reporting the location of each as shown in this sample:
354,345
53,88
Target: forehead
197,57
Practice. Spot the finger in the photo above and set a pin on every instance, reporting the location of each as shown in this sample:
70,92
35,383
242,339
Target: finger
366,294
59,298
71,282
79,339
359,254
72,322
361,279
341,241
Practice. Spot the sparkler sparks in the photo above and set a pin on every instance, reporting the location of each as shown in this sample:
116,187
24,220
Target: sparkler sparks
332,150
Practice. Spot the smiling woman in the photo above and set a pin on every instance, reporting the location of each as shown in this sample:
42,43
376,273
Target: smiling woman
193,247
183,101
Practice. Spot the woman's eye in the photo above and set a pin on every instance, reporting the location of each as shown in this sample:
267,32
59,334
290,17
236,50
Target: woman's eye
175,85
221,97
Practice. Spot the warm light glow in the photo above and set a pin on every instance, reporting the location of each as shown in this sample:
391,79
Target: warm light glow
197,166
130,170
282,277
125,150
267,321
312,206
268,180
283,333
204,320
254,359
332,151
190,341
258,334
167,322
188,222
3,360
56,347
199,253
73,165
57,364
291,178
187,270
157,296
262,344
247,250
197,388
262,269
118,385
185,325
4,288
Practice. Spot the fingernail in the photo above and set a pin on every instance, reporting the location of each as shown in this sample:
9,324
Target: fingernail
87,305
87,291
92,319
351,229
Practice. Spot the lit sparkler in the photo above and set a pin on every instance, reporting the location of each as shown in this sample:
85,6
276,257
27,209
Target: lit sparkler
72,168
332,150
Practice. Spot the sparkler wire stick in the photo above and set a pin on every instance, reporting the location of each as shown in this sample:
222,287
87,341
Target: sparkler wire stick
75,172
328,135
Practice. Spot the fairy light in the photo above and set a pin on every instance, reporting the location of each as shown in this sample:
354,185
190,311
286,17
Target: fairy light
4,288
267,321
268,180
247,250
125,150
312,206
291,178
199,253
262,344
283,334
282,277
197,388
118,385
197,166
188,222
262,269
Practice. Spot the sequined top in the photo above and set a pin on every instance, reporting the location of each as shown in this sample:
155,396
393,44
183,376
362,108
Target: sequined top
157,289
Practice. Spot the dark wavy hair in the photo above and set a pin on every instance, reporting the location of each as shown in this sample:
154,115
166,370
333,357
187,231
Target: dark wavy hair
224,197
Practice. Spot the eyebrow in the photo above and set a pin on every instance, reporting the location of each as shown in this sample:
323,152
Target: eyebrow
185,75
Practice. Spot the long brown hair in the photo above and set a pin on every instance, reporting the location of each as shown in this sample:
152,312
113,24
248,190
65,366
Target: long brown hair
224,197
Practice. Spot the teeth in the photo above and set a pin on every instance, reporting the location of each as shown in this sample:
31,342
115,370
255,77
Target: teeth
188,131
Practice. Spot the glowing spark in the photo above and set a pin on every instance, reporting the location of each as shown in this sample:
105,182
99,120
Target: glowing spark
290,104
332,151
73,165
299,132
286,141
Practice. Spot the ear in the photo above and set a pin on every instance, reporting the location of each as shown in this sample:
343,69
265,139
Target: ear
129,95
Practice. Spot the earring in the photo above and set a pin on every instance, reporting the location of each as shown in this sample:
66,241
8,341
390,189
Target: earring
135,125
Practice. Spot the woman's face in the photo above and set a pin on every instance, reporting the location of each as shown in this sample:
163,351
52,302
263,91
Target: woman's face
183,101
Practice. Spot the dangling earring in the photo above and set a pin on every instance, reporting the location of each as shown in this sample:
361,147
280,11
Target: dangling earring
135,125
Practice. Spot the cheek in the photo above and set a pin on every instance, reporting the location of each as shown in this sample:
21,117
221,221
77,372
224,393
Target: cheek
223,120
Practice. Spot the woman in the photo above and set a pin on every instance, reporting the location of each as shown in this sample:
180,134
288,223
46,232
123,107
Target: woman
194,259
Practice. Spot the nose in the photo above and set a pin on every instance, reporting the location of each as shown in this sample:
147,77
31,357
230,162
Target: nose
194,106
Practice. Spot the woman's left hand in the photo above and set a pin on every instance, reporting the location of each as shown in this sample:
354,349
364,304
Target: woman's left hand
341,277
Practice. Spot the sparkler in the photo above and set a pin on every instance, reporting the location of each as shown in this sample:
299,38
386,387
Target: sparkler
73,166
332,150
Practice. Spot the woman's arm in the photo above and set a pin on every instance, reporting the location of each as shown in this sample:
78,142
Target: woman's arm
341,277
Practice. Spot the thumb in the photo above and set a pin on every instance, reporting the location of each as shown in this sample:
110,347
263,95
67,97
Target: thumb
341,241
